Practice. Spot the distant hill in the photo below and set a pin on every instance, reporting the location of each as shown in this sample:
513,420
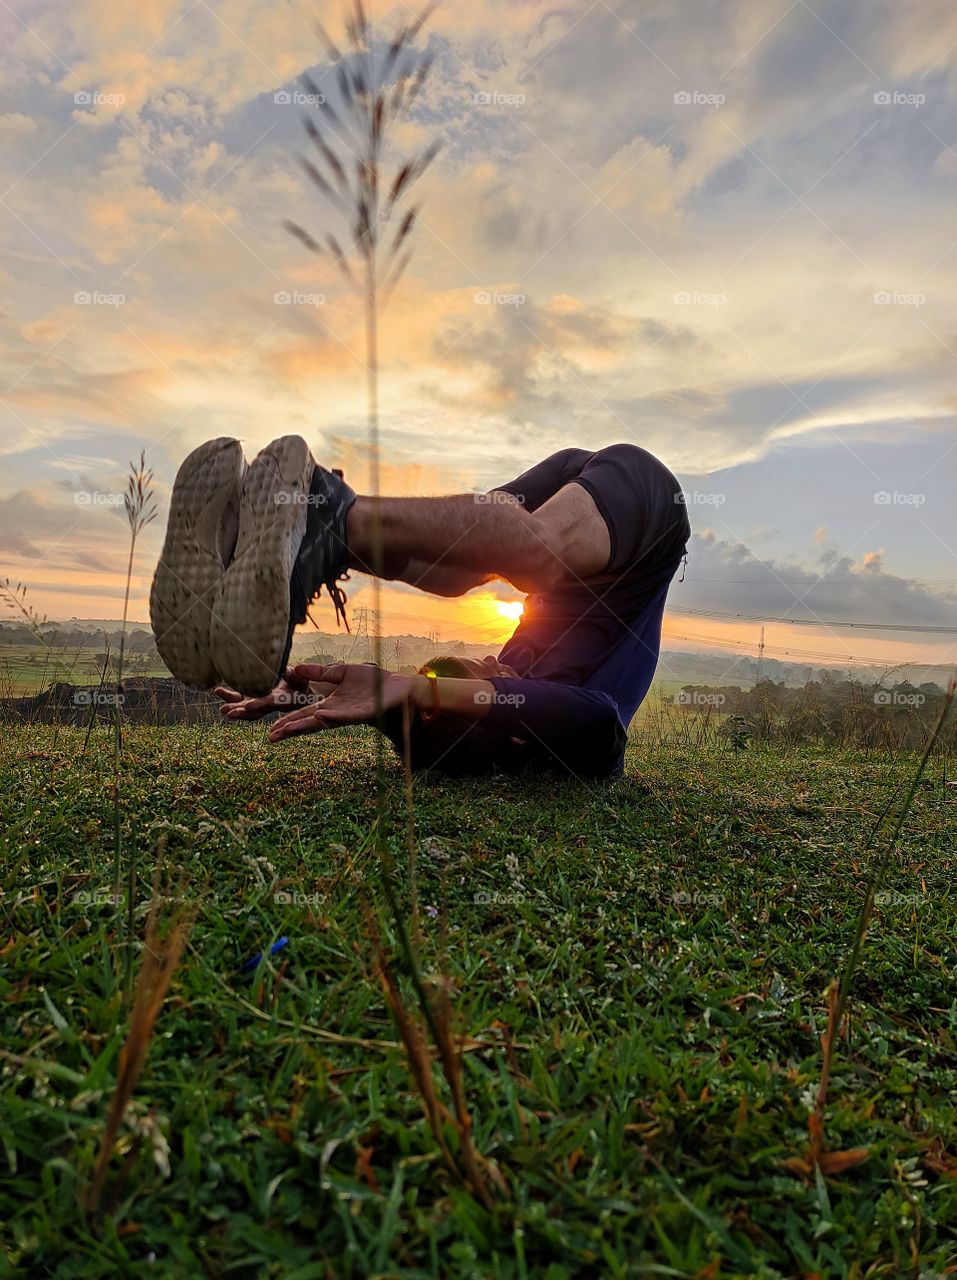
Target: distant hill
408,652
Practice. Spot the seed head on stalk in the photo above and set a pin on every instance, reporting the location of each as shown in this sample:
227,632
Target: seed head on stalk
376,87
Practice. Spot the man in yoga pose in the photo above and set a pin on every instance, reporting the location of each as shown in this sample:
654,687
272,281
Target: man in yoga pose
593,538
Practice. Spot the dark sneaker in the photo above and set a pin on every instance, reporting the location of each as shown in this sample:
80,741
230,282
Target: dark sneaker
200,536
292,542
323,557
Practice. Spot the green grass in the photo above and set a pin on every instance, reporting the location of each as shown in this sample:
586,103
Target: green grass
28,668
651,988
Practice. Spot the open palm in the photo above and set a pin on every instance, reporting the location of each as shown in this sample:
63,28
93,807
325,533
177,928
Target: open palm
358,693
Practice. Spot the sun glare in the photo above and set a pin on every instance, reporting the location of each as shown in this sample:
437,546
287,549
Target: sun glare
511,609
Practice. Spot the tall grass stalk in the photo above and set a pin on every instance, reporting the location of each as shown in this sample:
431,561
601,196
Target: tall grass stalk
161,954
348,167
839,990
350,163
140,505
15,596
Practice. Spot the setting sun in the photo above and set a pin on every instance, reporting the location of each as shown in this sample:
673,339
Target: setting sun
511,609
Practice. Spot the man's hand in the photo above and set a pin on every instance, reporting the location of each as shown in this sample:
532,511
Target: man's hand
357,694
291,691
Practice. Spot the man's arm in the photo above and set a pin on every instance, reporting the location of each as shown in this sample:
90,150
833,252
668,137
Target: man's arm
363,692
564,540
577,730
443,579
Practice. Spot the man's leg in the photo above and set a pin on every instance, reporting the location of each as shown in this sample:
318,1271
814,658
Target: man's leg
448,545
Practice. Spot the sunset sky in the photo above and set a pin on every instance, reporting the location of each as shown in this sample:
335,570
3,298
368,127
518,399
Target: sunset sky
722,230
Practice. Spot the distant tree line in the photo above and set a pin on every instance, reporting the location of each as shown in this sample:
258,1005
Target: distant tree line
138,640
851,713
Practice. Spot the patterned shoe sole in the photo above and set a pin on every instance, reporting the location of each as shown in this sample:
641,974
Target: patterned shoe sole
250,620
203,516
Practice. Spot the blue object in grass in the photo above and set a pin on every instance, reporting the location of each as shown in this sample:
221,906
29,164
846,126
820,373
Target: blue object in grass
255,960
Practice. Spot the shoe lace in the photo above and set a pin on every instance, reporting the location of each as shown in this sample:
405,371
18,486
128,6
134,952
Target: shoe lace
339,600
335,592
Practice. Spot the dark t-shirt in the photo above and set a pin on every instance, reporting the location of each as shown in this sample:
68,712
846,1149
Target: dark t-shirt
605,634
585,654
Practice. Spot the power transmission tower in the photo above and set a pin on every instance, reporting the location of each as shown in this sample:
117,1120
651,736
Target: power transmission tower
761,657
366,627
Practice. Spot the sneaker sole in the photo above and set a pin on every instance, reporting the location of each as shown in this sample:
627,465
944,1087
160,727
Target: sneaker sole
204,509
249,629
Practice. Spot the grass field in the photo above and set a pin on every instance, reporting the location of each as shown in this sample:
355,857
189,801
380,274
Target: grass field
31,668
641,967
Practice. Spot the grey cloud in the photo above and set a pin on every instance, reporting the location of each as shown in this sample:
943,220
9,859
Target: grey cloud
727,577
533,356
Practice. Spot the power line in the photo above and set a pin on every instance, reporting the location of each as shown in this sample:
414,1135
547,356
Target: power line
820,582
814,622
817,655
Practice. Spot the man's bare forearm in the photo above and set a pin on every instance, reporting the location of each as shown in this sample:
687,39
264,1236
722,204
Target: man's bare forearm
442,579
468,698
